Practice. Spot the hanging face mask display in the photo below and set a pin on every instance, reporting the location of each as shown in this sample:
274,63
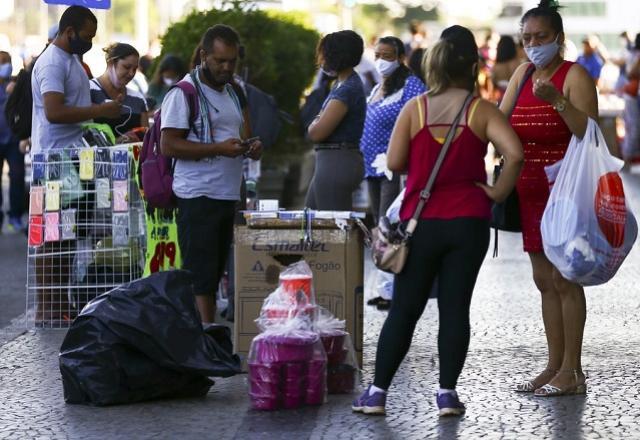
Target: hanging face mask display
386,68
78,45
542,55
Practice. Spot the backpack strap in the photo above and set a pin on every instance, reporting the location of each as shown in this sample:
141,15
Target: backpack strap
191,94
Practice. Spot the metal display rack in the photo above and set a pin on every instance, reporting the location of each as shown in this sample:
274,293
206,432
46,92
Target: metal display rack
86,230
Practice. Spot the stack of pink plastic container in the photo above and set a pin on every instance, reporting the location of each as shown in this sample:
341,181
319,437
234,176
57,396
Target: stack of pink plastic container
342,367
287,361
287,371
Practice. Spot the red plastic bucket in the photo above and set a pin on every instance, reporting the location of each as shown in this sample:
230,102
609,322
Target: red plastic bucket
294,283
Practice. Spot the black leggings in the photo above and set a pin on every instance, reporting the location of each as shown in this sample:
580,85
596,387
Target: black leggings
452,251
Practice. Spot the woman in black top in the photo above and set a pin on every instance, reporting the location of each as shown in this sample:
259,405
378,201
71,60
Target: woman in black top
122,64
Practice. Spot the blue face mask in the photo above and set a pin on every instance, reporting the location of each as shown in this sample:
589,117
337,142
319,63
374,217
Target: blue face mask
5,70
542,55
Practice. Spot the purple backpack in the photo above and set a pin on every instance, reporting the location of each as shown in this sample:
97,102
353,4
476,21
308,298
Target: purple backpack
155,170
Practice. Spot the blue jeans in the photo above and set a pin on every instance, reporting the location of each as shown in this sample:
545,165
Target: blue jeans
11,153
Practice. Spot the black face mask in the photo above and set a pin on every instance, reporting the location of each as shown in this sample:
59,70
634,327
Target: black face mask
79,46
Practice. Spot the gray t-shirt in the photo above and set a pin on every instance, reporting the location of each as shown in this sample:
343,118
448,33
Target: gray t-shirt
213,177
57,71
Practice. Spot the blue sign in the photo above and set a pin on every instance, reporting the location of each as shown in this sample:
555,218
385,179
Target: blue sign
96,4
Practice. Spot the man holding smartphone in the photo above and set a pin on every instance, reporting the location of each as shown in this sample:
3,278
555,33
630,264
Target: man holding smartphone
208,170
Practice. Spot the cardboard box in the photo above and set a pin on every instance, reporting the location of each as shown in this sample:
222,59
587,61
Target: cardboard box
335,257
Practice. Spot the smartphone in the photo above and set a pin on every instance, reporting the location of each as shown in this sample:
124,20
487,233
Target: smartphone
249,141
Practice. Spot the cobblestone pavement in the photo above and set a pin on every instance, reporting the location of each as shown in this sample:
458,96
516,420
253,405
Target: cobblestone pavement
507,344
13,277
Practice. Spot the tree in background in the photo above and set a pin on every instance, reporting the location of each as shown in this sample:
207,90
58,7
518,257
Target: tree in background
279,47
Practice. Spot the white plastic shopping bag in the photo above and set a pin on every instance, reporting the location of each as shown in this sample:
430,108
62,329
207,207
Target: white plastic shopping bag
393,211
587,227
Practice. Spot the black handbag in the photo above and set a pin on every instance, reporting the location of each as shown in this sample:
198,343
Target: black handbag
505,216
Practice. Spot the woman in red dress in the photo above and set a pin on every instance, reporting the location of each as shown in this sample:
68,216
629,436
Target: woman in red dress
555,104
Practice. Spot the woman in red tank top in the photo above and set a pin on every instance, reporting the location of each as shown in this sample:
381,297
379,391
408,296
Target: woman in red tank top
555,104
452,235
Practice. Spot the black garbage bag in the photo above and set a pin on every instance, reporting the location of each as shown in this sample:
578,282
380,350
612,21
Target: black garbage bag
142,341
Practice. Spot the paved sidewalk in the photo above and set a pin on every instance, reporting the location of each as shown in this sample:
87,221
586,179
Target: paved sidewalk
507,344
13,278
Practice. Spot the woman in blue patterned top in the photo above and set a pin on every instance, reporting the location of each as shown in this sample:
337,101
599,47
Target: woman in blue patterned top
383,107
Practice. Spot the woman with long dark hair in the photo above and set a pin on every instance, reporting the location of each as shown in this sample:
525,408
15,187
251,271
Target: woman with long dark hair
399,85
386,100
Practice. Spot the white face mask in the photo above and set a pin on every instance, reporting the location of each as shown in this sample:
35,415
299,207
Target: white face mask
168,81
329,73
386,68
113,77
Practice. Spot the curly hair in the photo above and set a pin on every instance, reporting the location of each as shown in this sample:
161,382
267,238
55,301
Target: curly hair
340,50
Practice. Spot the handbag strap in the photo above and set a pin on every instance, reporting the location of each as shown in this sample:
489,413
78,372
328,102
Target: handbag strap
425,194
527,75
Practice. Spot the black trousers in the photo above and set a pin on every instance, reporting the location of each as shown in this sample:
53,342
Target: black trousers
453,251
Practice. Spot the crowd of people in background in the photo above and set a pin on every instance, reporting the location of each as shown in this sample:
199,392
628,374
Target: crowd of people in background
128,79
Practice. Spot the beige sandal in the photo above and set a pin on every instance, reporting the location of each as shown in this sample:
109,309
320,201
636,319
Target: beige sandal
549,390
529,386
